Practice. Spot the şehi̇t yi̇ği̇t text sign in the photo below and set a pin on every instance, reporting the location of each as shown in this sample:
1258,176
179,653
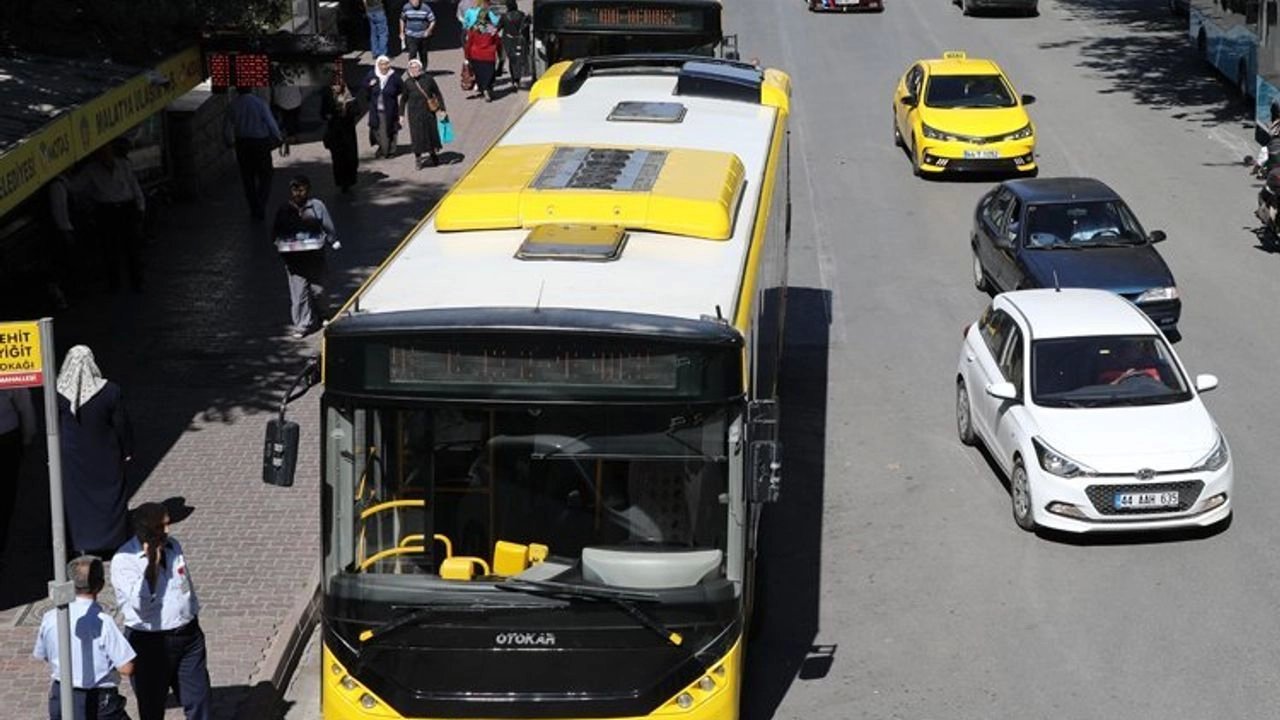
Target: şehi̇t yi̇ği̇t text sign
20,361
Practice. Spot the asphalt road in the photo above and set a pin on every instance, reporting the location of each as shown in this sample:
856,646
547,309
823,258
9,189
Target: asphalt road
896,583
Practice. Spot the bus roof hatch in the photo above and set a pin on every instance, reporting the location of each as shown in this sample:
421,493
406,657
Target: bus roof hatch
677,191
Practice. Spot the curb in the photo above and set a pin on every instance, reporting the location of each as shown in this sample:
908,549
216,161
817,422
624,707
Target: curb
271,678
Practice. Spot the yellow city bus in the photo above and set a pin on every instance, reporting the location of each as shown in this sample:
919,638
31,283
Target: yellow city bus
549,419
572,29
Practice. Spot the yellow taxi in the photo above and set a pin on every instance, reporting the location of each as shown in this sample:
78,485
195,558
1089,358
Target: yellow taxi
958,114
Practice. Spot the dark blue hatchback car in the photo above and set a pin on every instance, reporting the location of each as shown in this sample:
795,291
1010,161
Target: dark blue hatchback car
1070,232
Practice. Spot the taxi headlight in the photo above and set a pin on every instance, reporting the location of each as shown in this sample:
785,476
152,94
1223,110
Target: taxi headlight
1025,132
1155,294
1216,458
935,134
1055,463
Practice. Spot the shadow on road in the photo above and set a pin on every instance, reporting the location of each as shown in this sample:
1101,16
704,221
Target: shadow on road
789,567
1147,54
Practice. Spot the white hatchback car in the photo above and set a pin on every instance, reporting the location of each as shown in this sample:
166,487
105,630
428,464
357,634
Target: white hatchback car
1089,412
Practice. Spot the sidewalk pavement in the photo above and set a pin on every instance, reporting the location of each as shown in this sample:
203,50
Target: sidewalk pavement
204,356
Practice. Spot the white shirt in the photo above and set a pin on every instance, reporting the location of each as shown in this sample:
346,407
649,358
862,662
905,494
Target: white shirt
116,184
98,648
171,604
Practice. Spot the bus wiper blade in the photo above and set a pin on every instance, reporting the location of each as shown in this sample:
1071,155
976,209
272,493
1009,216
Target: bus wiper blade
624,600
412,618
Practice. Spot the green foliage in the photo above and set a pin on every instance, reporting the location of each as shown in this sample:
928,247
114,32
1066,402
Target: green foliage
136,32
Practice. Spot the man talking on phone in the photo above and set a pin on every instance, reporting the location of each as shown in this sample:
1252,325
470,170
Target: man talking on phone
153,589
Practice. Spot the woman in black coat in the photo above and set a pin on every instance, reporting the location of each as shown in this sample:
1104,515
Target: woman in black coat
420,103
338,108
382,87
97,441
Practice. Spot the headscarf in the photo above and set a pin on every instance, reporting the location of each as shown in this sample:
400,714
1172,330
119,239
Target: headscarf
383,77
80,379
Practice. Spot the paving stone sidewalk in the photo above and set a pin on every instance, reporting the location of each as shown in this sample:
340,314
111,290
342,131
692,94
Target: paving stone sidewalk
203,355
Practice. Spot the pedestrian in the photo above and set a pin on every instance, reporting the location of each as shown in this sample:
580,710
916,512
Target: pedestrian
513,28
118,208
97,444
417,23
421,104
339,110
302,230
377,14
481,51
472,14
287,101
382,85
63,240
252,130
100,654
154,592
17,431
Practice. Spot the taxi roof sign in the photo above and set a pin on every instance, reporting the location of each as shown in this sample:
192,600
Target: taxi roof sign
954,55
20,362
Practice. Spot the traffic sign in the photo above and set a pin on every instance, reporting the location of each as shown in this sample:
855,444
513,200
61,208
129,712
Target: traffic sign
20,360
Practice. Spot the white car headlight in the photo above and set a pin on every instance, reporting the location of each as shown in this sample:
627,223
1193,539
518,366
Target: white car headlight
1025,132
1055,463
935,134
1160,293
1216,458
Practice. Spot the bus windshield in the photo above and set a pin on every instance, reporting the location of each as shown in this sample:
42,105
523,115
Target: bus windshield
567,477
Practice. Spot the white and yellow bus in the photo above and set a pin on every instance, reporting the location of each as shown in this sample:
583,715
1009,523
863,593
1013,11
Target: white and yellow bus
549,418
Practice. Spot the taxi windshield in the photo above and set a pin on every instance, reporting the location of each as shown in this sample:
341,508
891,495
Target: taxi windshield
968,91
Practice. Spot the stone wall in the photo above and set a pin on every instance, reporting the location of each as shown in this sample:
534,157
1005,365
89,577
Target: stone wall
196,149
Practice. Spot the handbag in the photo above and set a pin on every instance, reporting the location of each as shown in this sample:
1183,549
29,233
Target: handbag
467,77
433,102
446,130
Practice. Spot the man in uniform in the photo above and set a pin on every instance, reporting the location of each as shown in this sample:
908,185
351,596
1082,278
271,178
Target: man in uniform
153,588
99,652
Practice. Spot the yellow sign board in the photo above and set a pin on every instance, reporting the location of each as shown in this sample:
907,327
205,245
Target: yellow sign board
64,141
20,362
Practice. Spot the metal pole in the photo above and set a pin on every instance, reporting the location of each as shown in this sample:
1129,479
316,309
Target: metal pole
61,592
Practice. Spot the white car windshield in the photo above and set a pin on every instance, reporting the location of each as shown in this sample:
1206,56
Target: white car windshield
1105,371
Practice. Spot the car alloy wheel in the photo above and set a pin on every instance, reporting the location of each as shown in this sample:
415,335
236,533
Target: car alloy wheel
979,275
964,414
1020,496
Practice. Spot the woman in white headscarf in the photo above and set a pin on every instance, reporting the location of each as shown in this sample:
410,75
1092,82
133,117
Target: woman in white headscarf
97,441
382,86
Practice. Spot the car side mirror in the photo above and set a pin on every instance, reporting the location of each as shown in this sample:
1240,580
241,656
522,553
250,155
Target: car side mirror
1206,382
1028,99
910,100
1156,236
1003,391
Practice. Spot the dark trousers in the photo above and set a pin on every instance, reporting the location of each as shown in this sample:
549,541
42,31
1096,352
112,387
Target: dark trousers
119,227
253,155
96,704
10,465
417,48
173,658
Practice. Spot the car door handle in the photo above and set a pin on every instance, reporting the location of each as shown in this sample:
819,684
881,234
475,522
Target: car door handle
968,357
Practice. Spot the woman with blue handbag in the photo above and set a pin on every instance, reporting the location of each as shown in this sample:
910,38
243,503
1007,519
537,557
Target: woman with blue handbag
421,104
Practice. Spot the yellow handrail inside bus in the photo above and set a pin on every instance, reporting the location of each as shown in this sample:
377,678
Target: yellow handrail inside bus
419,537
390,504
402,550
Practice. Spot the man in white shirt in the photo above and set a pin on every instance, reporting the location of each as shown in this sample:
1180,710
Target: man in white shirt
119,207
153,588
99,652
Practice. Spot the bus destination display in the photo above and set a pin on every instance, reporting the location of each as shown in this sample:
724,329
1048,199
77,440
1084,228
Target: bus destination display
509,366
589,17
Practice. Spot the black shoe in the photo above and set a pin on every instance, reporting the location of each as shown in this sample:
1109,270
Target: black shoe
433,161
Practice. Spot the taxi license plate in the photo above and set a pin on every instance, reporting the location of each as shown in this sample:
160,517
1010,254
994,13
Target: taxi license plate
1134,501
981,154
